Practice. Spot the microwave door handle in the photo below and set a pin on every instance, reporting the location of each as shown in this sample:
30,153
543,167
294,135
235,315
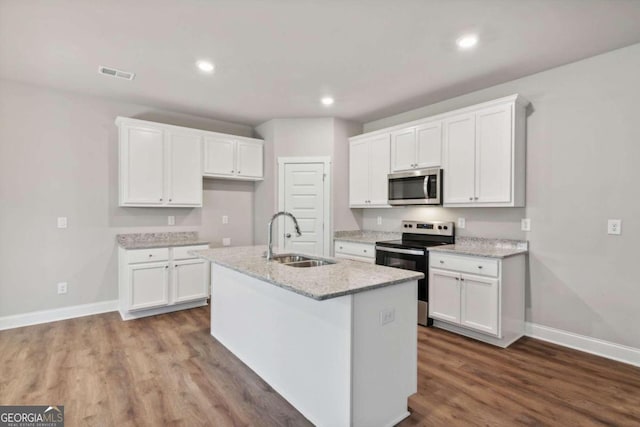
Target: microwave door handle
426,187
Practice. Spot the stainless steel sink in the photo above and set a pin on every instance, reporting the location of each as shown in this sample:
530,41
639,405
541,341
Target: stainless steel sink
295,260
310,263
287,258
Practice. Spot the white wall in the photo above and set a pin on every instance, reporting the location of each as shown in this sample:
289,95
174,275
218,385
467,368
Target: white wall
583,148
58,157
318,137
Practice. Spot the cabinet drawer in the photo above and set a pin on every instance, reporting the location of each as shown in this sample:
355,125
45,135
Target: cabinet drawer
182,252
147,255
365,250
464,264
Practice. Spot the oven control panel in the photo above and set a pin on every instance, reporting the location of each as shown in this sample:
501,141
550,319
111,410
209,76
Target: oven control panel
439,228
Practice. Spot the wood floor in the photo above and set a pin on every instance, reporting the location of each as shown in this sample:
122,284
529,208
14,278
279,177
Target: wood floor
168,370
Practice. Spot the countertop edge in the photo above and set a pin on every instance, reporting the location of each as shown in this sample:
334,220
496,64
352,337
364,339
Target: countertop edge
416,276
478,253
163,245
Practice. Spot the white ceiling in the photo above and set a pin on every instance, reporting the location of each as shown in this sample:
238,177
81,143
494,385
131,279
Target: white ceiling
276,58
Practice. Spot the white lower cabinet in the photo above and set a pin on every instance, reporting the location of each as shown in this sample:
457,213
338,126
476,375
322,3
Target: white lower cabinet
161,280
365,252
479,297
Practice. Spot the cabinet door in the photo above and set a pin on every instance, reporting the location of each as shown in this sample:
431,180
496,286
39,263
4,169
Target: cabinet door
379,159
141,166
184,173
459,159
149,285
444,295
494,159
429,145
358,173
249,159
479,303
190,280
219,156
403,149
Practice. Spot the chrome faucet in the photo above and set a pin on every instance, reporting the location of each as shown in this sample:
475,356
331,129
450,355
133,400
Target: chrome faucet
270,231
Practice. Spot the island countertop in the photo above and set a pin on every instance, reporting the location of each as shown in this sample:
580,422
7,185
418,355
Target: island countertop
328,281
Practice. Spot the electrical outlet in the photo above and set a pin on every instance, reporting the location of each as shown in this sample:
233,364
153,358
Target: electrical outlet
62,222
62,288
387,315
171,220
614,226
226,241
379,220
462,223
525,224
225,219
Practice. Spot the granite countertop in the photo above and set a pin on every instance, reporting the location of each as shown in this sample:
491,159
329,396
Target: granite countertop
159,240
328,281
365,236
491,248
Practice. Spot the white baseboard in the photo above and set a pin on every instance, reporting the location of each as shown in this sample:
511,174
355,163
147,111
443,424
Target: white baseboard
607,349
45,316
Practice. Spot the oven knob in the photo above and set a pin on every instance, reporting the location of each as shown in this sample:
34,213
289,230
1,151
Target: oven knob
439,227
410,225
445,227
405,226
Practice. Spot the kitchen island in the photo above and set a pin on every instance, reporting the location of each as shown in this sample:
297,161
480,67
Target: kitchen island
337,341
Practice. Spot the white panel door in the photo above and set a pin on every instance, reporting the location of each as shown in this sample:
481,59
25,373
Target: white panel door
459,159
429,145
149,285
379,171
304,198
403,150
249,160
190,280
494,155
358,173
444,295
185,169
143,168
479,306
219,156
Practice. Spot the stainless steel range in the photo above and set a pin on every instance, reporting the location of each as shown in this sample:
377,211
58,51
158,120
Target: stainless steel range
411,253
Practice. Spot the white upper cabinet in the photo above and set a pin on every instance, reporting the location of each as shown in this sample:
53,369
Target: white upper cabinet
369,160
233,158
159,166
484,156
416,147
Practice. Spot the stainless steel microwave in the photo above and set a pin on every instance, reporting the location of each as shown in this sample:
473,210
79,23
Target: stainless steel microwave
416,187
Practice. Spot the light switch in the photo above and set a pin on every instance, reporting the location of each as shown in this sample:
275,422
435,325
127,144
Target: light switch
226,241
62,222
462,223
171,220
387,315
525,224
614,226
62,288
225,219
379,220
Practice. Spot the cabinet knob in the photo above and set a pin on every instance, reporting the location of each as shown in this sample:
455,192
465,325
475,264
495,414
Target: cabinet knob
150,255
239,171
176,265
457,278
166,266
340,247
160,198
365,251
470,198
479,266
170,199
441,262
232,171
461,279
475,198
288,235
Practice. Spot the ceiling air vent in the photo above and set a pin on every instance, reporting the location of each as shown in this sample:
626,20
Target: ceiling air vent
116,73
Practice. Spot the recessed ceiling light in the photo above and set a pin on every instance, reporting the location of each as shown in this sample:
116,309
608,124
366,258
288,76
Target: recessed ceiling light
327,100
468,41
205,66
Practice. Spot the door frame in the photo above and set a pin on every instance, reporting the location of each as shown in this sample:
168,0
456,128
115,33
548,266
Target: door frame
326,202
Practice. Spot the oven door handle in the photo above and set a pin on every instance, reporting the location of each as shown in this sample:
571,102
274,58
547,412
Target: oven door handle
400,251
